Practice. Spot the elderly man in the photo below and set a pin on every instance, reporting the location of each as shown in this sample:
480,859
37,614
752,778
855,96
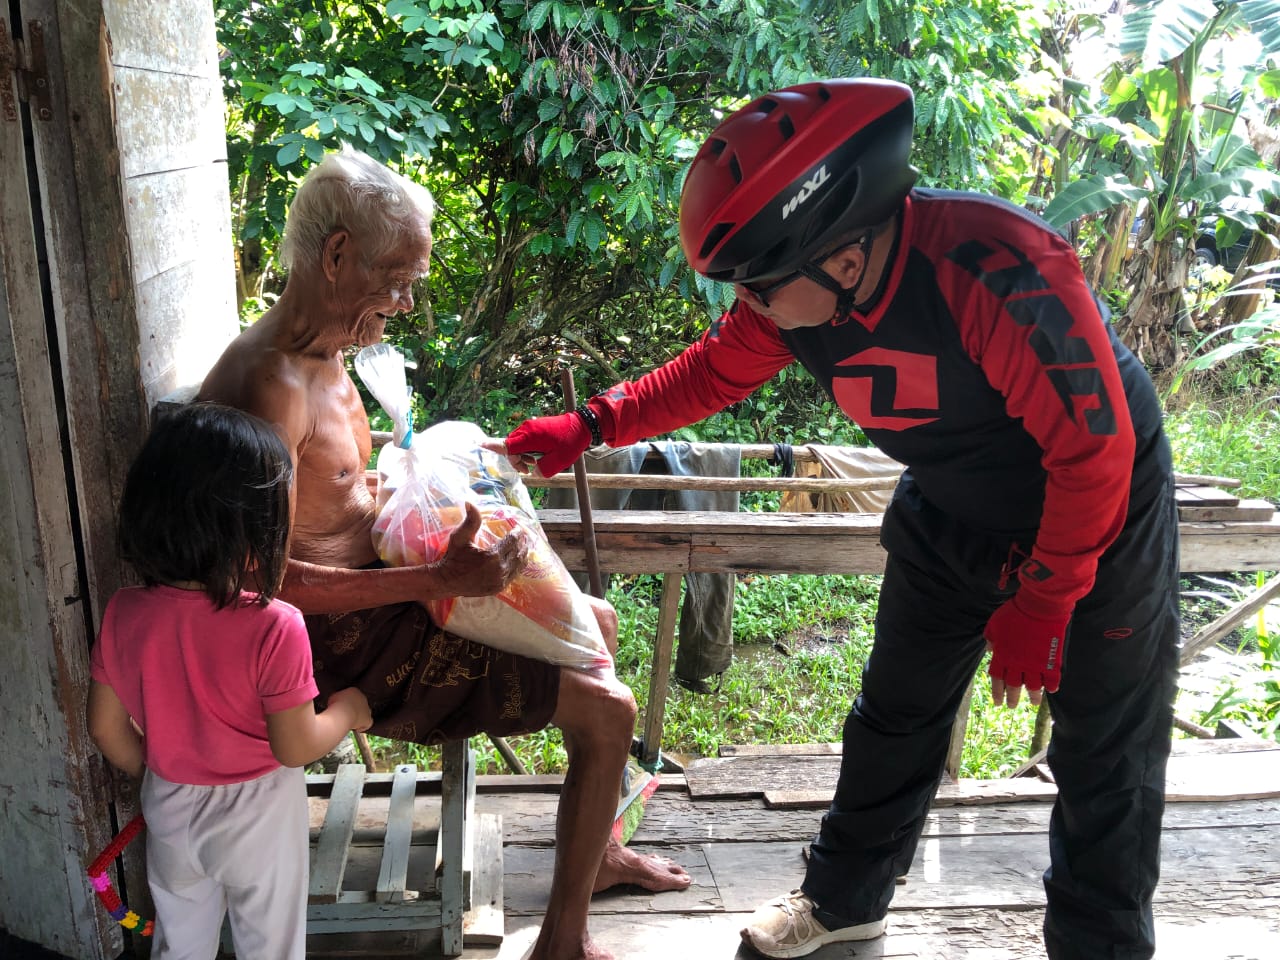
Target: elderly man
357,237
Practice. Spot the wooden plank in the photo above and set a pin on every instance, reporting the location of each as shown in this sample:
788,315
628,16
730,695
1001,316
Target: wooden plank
950,872
178,217
189,315
155,136
458,777
681,820
668,608
646,481
399,835
528,871
484,923
796,782
750,776
172,37
1204,496
56,786
963,793
355,917
780,749
660,542
1218,776
335,836
1230,932
1244,511
1210,634
426,783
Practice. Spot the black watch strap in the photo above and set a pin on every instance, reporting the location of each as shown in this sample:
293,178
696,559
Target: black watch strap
593,423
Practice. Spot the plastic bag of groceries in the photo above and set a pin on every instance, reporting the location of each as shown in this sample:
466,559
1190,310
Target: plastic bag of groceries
422,492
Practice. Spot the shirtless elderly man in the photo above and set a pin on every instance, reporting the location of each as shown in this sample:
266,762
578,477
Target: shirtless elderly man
357,237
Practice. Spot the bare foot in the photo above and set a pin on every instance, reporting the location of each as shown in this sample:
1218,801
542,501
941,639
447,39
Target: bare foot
623,865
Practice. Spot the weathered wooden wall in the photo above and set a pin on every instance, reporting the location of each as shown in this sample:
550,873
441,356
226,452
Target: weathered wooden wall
116,285
173,152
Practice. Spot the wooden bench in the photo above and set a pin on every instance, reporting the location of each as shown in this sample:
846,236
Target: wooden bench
452,884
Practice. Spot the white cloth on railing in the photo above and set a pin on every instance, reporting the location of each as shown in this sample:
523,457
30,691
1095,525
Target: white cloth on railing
849,463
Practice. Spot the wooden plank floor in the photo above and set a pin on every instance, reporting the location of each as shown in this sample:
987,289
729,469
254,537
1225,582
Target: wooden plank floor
974,891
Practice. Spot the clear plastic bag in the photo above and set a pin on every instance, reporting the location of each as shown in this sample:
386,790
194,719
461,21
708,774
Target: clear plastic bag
422,493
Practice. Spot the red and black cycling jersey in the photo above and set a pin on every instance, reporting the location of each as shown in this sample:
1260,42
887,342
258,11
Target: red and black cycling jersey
987,366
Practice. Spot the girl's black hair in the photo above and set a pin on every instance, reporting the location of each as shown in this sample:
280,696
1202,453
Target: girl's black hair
207,499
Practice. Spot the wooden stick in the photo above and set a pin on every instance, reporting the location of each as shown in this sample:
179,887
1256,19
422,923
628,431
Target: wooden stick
584,495
1200,480
366,752
1188,726
1211,634
504,750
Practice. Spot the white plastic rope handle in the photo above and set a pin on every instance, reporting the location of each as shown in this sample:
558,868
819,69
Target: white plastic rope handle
382,370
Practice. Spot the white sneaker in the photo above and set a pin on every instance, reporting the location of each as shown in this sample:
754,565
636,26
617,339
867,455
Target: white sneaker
786,927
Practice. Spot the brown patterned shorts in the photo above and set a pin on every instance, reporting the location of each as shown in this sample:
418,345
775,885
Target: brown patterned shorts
426,685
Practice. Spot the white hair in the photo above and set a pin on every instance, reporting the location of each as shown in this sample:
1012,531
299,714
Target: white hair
350,190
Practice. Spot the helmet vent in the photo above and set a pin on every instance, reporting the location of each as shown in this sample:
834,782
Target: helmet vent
714,236
786,127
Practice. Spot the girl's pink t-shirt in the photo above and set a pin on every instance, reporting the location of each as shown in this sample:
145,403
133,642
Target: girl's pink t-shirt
200,681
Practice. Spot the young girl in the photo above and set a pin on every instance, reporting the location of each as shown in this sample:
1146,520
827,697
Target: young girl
202,685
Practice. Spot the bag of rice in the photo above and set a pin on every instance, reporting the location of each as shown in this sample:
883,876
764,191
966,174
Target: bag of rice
423,488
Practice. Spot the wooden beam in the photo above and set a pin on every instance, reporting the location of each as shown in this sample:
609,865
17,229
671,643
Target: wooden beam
645,481
656,541
1209,635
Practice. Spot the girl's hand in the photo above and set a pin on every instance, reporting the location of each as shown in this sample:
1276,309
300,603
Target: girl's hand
353,700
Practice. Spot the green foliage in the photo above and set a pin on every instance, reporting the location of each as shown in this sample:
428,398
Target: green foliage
1245,354
968,62
1168,138
554,136
1252,697
1229,436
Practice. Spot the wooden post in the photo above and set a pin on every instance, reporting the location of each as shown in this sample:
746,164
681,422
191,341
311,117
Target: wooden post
651,744
584,497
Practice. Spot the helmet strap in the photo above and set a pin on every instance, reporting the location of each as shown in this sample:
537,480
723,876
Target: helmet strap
846,297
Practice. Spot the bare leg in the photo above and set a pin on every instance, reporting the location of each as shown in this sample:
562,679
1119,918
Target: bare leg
596,713
621,865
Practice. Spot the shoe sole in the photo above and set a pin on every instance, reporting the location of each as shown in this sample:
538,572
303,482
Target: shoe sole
853,934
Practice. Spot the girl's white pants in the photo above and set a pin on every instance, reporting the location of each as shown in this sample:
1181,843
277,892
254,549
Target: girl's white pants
237,849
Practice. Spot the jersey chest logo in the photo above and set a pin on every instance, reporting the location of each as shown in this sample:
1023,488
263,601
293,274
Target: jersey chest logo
887,389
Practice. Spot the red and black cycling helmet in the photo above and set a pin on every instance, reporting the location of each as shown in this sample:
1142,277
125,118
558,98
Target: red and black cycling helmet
784,176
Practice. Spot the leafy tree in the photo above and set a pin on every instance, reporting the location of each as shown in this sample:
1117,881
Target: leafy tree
972,65
555,136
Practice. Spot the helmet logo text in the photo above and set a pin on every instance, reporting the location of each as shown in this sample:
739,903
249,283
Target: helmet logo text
811,185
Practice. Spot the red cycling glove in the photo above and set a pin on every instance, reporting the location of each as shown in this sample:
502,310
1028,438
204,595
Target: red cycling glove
1026,651
560,439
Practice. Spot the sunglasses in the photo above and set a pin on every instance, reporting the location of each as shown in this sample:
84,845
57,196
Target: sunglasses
763,291
813,270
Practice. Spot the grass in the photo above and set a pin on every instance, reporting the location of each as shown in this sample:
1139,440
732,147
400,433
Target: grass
786,685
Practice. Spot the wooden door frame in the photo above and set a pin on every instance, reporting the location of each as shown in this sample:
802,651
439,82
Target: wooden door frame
71,414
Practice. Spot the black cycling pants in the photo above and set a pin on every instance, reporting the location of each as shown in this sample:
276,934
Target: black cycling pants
1111,724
